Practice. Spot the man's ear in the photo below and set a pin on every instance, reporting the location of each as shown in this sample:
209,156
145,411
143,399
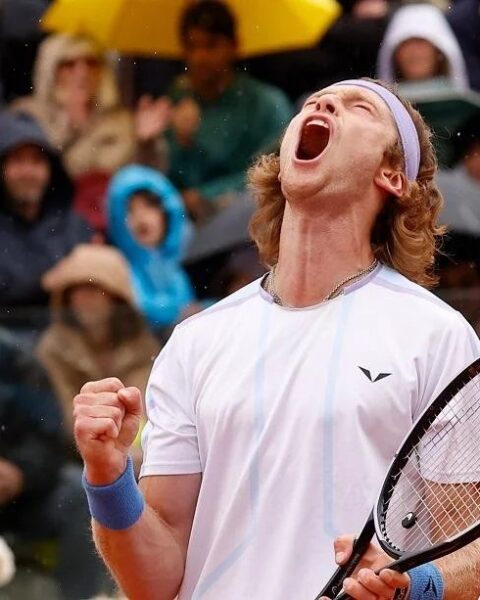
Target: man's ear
391,181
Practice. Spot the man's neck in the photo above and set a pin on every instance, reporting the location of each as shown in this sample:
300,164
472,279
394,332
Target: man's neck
317,252
99,337
29,212
211,91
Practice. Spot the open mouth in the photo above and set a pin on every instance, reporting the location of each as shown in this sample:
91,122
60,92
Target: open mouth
314,139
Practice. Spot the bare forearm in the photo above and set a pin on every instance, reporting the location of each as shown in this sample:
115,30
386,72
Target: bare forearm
146,560
461,573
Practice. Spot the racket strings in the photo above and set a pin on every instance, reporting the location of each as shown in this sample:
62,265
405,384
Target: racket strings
461,511
454,520
436,495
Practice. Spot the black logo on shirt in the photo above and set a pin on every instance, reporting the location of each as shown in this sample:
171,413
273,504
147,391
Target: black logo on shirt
367,373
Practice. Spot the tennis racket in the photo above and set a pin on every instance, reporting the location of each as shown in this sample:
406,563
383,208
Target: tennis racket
429,503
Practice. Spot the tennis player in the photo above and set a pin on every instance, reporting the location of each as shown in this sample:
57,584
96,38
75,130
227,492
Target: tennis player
274,414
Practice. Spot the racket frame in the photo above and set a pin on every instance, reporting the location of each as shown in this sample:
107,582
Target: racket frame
408,560
405,561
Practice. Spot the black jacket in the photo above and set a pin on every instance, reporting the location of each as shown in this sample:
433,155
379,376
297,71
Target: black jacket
30,419
27,249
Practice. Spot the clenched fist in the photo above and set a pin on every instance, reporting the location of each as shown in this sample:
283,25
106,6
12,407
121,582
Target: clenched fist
106,421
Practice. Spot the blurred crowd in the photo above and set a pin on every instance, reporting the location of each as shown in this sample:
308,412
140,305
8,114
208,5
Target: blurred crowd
124,209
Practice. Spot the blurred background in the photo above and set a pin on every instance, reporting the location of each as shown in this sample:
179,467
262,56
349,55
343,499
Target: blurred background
126,130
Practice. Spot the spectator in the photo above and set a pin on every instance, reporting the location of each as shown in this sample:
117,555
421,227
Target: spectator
419,46
40,496
97,332
76,100
220,119
37,226
147,222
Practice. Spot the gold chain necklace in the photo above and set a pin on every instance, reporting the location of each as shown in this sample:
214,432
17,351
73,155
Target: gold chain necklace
337,289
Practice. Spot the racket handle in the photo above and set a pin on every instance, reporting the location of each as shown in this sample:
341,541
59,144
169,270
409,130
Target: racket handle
334,586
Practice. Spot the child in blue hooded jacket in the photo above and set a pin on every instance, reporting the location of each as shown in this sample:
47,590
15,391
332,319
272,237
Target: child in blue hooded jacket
147,222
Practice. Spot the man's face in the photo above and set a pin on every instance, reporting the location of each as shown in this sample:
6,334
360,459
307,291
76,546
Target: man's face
80,74
146,222
335,144
417,60
90,305
207,56
26,172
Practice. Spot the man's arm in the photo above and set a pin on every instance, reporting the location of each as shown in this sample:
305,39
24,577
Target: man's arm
461,573
143,545
148,559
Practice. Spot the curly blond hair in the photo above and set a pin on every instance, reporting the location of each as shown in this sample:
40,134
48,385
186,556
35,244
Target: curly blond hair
406,234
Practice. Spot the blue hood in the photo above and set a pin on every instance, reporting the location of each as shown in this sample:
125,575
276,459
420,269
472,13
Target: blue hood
162,288
127,182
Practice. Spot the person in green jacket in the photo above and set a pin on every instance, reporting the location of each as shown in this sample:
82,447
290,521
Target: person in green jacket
216,119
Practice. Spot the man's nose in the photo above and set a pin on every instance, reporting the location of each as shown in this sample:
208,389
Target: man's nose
328,103
80,67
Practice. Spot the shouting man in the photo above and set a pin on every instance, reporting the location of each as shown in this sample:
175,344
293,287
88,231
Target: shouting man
274,414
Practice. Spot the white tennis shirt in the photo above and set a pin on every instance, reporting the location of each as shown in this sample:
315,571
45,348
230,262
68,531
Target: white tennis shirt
293,416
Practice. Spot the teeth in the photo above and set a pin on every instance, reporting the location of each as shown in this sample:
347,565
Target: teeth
319,122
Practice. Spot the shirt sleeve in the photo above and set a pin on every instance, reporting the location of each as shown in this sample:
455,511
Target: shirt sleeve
444,452
169,439
457,347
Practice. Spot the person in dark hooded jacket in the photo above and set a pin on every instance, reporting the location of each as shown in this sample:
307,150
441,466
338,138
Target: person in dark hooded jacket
37,225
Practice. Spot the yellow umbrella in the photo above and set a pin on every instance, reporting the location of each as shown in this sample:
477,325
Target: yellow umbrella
150,27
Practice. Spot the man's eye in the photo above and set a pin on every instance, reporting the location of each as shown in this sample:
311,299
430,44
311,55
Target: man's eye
364,106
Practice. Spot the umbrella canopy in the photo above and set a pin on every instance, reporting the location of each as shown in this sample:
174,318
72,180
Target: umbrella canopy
150,27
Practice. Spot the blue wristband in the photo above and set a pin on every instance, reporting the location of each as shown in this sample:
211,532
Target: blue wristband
426,583
118,505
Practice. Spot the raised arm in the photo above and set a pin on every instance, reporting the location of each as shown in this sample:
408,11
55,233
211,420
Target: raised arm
147,556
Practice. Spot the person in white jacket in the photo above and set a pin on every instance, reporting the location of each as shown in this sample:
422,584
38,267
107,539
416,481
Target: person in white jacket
420,45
